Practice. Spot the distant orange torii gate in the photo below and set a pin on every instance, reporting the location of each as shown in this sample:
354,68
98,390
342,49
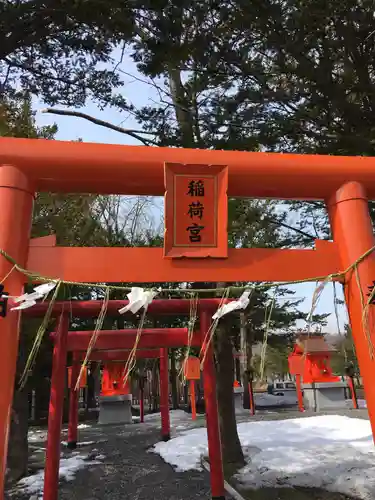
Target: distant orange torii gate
195,244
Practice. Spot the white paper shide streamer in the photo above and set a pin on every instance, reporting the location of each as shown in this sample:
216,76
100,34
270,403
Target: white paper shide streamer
29,299
139,298
240,303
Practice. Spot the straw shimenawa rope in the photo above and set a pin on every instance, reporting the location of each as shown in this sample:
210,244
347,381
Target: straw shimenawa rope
211,331
193,316
38,339
8,274
365,312
37,277
131,361
338,323
209,335
314,302
94,337
267,324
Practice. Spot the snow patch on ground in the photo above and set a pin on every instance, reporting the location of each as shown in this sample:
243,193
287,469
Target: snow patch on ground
185,451
332,452
83,426
175,416
180,419
36,435
80,443
33,485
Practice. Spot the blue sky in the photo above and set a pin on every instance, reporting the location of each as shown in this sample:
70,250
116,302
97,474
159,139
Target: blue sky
139,93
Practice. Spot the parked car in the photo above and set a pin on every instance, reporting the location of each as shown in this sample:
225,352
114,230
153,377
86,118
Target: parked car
280,388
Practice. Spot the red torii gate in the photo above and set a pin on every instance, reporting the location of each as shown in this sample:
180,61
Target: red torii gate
64,341
162,355
100,356
344,183
115,340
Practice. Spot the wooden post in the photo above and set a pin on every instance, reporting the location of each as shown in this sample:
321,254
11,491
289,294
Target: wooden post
353,392
142,380
212,417
51,474
243,358
141,405
164,395
192,399
251,397
73,407
299,393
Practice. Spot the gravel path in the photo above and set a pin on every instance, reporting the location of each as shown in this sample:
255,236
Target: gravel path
130,471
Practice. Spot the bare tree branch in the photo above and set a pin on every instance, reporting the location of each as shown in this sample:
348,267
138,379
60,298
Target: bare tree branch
121,57
102,123
291,228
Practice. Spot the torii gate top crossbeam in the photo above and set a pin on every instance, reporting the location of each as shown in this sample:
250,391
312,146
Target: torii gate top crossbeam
139,170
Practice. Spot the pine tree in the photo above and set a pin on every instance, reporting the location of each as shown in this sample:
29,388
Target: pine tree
53,49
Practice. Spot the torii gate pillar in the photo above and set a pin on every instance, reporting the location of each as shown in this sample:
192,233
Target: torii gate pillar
16,204
353,232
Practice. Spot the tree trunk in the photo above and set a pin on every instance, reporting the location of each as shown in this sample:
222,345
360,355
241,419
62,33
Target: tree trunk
247,339
173,376
18,450
231,446
246,395
238,369
182,107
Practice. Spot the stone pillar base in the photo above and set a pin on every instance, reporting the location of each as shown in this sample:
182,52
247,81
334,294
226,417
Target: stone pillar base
324,396
115,409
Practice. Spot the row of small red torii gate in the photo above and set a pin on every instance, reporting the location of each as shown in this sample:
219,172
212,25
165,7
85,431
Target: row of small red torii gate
196,185
115,345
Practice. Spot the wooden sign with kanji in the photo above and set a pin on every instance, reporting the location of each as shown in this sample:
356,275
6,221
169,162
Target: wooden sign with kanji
196,211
